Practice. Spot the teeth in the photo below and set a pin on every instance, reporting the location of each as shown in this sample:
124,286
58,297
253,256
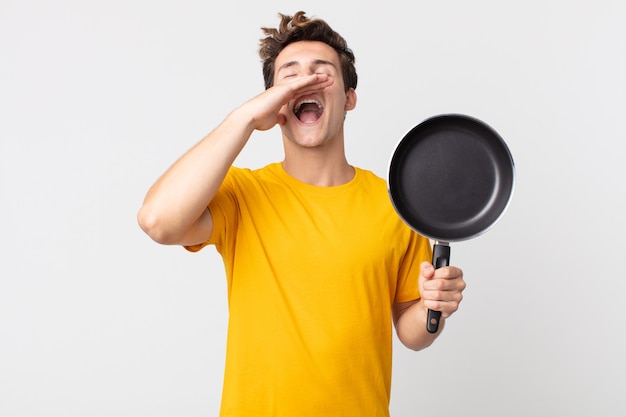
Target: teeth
299,104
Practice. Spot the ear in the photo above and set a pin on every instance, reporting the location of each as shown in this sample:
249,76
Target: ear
350,100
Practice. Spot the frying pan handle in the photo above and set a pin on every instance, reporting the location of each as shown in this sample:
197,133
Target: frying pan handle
441,258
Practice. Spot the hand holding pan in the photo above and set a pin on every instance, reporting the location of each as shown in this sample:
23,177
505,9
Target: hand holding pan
450,179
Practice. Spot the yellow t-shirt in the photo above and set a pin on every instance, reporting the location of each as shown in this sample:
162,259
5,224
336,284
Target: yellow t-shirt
312,275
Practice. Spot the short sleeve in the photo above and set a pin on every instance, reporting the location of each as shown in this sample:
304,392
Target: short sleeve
418,250
224,213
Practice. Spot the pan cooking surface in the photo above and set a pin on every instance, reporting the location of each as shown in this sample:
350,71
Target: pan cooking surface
451,177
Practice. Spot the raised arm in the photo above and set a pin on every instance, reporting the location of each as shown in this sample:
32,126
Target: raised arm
174,210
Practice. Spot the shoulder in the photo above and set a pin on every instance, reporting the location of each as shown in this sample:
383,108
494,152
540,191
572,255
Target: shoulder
247,176
370,179
373,186
374,190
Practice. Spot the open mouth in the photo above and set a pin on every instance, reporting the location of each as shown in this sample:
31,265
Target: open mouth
308,110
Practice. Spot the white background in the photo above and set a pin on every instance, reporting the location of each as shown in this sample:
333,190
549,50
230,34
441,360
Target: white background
98,98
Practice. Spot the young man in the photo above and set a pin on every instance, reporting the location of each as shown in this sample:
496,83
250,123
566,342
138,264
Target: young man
318,263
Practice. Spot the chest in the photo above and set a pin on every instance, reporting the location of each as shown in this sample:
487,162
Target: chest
342,233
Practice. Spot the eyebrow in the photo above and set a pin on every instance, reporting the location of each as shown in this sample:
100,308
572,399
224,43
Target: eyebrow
316,63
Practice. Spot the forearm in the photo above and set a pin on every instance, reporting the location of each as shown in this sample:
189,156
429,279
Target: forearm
180,196
174,210
410,322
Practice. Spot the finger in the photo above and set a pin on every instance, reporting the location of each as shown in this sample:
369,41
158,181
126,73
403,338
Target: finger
444,284
311,80
311,89
444,301
443,295
446,308
448,272
307,85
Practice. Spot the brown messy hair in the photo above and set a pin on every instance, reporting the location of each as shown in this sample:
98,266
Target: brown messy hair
300,28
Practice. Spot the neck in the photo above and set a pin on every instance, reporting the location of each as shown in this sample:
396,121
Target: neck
318,166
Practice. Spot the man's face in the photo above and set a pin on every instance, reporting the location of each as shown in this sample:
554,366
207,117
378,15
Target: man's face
315,118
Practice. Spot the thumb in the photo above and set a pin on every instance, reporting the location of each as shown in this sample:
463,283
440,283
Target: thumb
281,119
427,270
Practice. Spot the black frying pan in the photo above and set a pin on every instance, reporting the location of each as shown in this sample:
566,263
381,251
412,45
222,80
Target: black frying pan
450,179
